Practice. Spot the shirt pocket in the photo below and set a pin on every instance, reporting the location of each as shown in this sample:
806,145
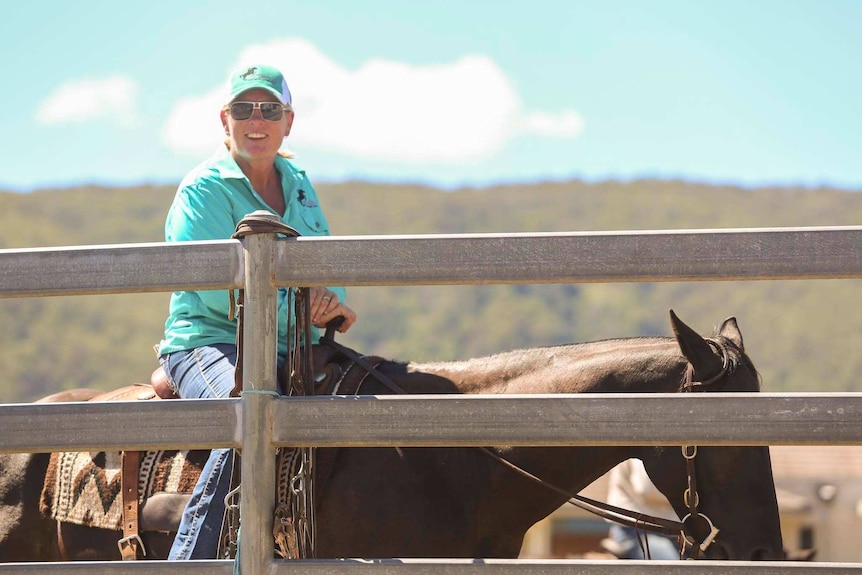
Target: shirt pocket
311,214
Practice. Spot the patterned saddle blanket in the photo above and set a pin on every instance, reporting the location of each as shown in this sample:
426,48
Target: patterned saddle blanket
84,487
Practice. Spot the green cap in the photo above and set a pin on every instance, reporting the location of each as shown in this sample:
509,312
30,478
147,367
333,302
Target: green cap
263,77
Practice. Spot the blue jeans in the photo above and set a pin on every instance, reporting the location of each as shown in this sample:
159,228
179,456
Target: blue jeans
661,547
202,372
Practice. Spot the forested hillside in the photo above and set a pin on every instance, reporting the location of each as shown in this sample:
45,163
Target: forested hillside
802,335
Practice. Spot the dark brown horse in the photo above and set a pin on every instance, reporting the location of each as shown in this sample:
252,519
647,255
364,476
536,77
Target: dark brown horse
458,502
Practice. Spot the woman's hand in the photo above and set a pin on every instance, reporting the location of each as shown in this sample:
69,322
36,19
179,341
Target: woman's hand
325,307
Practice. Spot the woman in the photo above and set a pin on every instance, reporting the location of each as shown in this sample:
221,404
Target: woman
198,353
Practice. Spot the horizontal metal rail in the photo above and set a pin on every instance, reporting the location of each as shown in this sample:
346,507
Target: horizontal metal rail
445,567
123,268
446,420
572,419
215,567
556,567
579,257
116,425
583,257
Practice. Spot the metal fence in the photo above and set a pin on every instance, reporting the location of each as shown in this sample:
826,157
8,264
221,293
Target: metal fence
261,263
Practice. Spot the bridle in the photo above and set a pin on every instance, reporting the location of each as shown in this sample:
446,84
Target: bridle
619,515
689,452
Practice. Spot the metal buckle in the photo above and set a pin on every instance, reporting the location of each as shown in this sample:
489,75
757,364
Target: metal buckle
713,532
128,541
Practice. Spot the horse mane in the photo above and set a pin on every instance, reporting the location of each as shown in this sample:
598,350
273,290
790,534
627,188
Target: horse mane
510,365
572,367
529,356
735,356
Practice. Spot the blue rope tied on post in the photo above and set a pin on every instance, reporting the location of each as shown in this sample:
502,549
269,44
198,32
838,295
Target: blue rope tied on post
236,568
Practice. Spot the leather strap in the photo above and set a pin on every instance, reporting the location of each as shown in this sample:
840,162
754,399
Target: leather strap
131,542
236,310
329,340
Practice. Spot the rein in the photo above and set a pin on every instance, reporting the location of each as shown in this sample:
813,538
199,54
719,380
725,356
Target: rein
606,511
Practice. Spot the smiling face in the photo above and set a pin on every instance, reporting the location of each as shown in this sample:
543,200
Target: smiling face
255,140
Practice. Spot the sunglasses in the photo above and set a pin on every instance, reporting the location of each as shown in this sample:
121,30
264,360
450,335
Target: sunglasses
270,111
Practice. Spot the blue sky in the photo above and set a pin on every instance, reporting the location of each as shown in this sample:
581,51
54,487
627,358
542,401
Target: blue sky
448,93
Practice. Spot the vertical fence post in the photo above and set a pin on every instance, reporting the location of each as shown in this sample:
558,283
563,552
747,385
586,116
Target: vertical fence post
260,332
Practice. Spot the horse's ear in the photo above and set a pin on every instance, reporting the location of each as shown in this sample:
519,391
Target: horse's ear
730,330
695,348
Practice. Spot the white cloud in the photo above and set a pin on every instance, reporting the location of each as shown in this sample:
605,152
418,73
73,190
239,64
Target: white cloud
454,112
91,99
193,126
567,124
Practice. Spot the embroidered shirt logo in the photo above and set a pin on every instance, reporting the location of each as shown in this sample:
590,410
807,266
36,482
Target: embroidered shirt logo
305,201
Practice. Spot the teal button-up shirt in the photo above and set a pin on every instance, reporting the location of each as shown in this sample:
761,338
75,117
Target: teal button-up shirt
209,203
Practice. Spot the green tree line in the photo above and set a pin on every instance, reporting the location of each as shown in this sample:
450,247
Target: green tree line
803,335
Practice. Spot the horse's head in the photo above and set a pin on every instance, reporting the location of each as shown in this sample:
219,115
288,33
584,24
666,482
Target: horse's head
735,493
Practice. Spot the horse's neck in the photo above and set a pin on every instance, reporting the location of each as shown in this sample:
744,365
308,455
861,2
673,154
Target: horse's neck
512,502
611,366
646,365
